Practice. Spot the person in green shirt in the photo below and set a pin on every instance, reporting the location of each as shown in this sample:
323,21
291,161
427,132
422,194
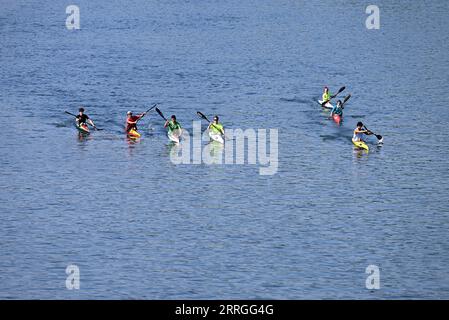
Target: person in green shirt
172,124
216,127
326,95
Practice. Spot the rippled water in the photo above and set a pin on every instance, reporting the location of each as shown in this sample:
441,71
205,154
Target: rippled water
139,226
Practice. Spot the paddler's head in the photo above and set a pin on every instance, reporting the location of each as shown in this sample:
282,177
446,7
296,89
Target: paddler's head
81,110
129,114
339,103
326,89
359,125
173,118
216,119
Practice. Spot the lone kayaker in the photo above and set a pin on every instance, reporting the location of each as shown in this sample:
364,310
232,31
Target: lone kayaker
337,109
83,119
172,124
216,127
131,121
358,131
326,96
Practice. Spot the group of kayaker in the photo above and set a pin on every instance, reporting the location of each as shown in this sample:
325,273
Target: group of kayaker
360,129
171,124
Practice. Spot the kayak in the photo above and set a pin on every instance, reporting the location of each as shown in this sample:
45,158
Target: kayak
175,135
361,145
337,118
216,137
83,128
133,134
327,105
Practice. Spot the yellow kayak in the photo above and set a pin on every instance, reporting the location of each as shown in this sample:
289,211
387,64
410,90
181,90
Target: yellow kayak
133,134
361,145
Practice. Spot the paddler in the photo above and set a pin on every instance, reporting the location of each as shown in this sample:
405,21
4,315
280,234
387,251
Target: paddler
172,124
131,121
337,109
326,95
359,131
216,127
83,118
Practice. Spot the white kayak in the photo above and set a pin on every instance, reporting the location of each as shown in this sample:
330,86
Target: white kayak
216,137
175,135
327,105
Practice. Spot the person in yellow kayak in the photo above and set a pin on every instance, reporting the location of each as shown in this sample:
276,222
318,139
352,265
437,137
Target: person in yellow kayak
131,121
216,127
83,119
326,95
359,131
172,124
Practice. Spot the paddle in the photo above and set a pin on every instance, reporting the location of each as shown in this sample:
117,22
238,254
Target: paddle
160,113
205,118
345,100
154,106
333,96
378,136
74,115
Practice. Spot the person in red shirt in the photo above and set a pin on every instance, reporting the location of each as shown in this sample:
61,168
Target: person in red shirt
131,121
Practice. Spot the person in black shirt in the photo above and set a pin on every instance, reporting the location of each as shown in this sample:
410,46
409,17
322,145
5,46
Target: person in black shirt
83,118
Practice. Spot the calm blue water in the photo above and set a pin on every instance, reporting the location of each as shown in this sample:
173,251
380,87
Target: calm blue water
139,226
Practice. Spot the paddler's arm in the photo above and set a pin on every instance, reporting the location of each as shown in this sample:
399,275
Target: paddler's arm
367,132
166,124
91,123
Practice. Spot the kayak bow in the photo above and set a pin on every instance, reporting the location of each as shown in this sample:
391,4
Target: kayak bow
83,128
326,106
175,135
133,134
337,118
216,137
361,145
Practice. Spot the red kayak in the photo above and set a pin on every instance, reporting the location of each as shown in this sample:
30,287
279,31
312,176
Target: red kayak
336,118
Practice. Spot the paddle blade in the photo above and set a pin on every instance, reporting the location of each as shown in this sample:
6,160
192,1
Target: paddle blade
346,98
160,113
202,116
341,90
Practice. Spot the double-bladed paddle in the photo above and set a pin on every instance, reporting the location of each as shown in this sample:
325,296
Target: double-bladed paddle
74,115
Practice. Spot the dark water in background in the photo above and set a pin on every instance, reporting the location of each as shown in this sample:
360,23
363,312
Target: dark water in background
139,226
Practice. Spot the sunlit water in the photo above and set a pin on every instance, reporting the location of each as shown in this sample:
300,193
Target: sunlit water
139,226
